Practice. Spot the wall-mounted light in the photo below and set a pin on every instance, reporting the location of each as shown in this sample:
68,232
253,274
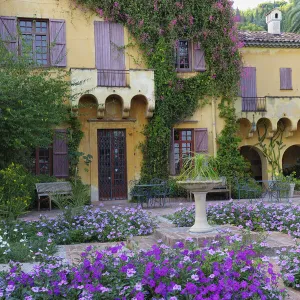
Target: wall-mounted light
253,125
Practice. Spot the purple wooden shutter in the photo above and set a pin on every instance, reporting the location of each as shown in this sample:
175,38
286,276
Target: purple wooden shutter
248,89
201,140
60,154
58,52
199,58
102,49
172,155
286,79
8,33
117,54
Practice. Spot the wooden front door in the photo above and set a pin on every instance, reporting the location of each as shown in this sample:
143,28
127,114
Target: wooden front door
112,171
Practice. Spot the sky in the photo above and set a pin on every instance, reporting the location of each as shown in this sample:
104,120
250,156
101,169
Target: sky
244,4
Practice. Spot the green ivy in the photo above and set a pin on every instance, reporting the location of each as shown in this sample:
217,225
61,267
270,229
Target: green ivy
157,25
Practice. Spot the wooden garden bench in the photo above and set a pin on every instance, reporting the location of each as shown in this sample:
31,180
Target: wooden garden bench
52,188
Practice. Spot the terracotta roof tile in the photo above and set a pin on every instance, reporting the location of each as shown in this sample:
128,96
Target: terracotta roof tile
265,39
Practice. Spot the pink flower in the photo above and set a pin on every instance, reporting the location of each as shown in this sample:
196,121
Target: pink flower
211,18
179,5
191,19
173,22
141,23
39,234
99,11
116,4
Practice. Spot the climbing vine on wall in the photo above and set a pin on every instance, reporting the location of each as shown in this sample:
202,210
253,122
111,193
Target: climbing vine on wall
75,135
157,25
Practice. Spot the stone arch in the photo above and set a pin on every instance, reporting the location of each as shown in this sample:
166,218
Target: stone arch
244,128
87,107
138,107
255,157
266,123
149,108
291,160
289,125
113,108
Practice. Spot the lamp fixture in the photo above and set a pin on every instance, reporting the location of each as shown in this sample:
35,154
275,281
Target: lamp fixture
253,125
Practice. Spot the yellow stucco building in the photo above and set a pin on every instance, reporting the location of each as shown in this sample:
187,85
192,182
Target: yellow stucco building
116,96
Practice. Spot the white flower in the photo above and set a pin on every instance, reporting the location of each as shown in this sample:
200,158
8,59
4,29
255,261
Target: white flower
177,287
195,277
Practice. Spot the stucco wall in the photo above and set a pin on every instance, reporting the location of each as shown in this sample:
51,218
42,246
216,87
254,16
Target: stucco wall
79,29
268,61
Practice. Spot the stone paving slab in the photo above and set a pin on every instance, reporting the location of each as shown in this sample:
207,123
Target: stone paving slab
292,293
171,235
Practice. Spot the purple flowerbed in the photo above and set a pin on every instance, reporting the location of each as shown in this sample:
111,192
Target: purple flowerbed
289,262
225,269
257,217
24,241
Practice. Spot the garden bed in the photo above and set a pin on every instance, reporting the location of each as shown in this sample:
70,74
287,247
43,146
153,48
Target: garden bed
25,241
260,216
225,269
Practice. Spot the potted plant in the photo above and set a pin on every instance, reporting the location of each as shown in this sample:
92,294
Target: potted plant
199,176
289,181
292,180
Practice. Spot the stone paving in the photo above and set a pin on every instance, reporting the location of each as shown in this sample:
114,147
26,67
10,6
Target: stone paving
156,211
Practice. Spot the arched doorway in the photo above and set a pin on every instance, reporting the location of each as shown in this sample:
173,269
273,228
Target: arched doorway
291,160
252,156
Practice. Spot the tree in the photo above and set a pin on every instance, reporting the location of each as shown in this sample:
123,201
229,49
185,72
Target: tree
293,17
31,105
257,15
250,27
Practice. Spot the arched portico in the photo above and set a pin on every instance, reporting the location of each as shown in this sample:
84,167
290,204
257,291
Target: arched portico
258,163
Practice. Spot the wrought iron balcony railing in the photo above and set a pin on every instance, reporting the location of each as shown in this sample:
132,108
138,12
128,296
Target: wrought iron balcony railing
112,78
254,104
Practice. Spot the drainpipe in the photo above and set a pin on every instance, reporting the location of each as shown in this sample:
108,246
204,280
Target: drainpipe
214,131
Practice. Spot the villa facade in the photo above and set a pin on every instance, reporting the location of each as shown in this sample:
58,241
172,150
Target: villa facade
116,96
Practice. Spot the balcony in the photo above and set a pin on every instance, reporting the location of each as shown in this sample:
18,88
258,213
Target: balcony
272,108
112,78
125,84
254,104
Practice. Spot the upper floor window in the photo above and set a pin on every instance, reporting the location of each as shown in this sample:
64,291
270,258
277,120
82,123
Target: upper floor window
286,79
45,39
183,56
35,36
189,56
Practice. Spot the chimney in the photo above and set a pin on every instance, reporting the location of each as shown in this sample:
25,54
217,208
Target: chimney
273,19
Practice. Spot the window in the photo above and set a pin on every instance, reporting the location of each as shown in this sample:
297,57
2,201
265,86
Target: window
183,56
286,79
42,161
36,37
183,147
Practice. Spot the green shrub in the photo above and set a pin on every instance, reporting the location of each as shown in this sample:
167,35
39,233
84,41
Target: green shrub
14,191
175,190
72,204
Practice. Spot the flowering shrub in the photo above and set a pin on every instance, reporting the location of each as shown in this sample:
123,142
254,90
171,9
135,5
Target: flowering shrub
216,272
257,217
92,226
14,192
289,262
157,26
23,247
